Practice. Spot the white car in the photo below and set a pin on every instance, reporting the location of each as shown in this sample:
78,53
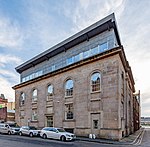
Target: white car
56,133
9,128
29,130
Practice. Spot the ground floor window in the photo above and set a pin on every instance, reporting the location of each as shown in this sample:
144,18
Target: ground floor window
70,130
34,115
69,111
95,124
49,121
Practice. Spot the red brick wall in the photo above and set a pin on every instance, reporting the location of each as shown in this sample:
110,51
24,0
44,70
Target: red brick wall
3,114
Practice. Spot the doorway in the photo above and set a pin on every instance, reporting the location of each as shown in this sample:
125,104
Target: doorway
49,121
95,124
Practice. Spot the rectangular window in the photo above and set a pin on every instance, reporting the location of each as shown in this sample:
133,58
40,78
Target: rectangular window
53,67
94,50
27,78
30,77
36,74
86,54
34,115
22,113
77,58
40,73
95,124
122,83
95,86
49,121
70,60
69,111
81,56
23,79
103,47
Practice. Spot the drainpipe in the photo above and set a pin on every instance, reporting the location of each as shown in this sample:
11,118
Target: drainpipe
126,107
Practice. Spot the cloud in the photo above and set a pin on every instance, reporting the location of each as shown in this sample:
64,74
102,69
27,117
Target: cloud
10,33
5,88
8,77
6,58
44,31
8,74
86,12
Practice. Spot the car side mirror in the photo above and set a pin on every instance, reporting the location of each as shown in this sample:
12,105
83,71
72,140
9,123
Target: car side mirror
57,131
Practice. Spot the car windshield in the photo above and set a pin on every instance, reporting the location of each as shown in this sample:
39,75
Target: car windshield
13,125
32,128
61,130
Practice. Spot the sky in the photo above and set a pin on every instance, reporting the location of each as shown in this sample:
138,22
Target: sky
29,27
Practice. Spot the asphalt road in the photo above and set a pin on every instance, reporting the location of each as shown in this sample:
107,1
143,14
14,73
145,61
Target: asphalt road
25,141
145,141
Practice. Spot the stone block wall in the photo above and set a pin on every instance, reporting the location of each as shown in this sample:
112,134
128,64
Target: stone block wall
103,106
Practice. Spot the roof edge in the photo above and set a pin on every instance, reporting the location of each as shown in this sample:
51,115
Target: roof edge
110,17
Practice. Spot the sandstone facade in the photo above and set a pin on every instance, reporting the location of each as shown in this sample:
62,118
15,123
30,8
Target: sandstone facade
103,107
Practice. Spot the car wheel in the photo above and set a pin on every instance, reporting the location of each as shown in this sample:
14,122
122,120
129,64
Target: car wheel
31,134
44,136
9,133
63,138
20,133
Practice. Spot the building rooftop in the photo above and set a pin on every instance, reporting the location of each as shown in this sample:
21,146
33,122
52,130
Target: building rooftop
104,24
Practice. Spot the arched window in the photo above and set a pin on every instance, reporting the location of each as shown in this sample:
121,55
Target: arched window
95,82
34,95
50,90
22,98
69,88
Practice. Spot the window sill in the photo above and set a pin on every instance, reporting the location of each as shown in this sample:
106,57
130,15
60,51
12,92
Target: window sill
34,102
34,121
50,94
68,96
49,100
69,120
93,92
22,105
95,99
21,117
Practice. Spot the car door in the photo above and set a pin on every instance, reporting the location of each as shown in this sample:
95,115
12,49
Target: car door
55,134
5,128
50,133
1,125
25,130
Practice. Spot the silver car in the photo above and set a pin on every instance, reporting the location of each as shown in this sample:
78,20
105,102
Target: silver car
29,130
6,128
56,133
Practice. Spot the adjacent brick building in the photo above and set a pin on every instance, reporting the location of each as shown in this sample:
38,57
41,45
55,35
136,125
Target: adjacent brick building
3,108
83,84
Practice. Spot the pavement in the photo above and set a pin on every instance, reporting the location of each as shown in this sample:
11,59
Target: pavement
129,140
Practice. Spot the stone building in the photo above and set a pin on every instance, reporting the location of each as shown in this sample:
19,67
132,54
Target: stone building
83,84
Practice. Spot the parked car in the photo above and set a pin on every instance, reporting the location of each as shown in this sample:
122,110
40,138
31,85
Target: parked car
29,130
9,128
56,133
